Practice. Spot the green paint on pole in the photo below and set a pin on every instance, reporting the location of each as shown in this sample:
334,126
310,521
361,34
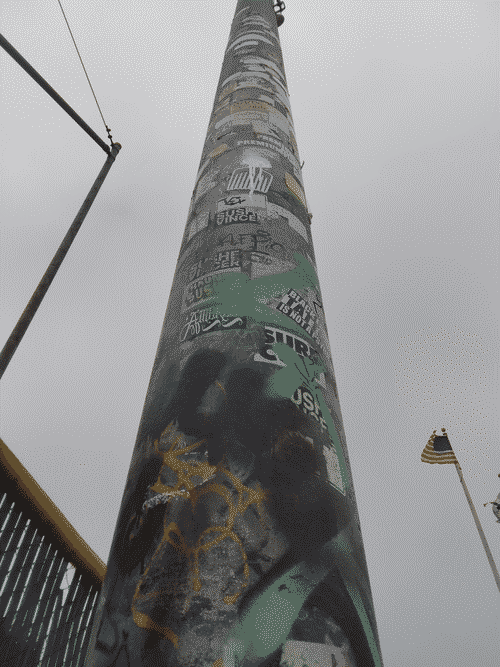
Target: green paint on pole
240,463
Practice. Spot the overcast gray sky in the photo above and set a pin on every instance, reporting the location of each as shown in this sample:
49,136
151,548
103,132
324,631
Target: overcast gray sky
395,107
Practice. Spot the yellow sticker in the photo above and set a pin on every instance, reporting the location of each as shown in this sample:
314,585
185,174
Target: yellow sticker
295,189
217,151
247,105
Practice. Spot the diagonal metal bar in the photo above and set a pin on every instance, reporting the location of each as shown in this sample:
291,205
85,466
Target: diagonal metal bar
29,312
49,597
32,570
80,624
66,618
5,505
9,538
48,89
33,589
52,626
21,538
42,614
77,631
86,634
20,569
74,619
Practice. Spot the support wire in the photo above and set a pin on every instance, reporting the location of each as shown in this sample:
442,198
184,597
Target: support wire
91,88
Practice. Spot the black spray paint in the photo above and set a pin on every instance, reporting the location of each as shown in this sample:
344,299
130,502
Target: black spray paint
237,541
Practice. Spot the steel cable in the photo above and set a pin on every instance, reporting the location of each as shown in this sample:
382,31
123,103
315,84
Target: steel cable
88,79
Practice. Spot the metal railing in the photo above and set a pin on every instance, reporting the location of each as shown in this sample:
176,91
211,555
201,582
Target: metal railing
49,578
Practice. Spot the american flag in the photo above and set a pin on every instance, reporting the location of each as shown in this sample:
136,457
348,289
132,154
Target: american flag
438,450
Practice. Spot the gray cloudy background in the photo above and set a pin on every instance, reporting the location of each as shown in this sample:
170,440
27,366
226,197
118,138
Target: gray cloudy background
395,107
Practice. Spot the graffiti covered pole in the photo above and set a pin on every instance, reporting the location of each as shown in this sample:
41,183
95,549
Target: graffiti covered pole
238,540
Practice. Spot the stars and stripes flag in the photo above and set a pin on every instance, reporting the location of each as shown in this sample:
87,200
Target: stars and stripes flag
438,450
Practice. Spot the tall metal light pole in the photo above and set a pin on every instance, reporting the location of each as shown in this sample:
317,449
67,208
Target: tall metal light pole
238,540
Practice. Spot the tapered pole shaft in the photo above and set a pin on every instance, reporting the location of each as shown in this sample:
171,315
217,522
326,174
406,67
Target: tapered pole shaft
238,541
33,304
479,527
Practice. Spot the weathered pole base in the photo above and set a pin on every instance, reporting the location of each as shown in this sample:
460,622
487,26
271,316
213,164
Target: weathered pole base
237,541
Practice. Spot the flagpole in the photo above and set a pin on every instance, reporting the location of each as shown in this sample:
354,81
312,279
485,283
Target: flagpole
479,528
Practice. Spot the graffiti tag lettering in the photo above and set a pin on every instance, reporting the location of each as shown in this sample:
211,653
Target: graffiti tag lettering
295,307
204,321
260,240
227,260
300,346
303,398
236,215
198,290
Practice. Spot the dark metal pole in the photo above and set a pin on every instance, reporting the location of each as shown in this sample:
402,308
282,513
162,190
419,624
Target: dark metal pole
238,541
48,89
24,321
